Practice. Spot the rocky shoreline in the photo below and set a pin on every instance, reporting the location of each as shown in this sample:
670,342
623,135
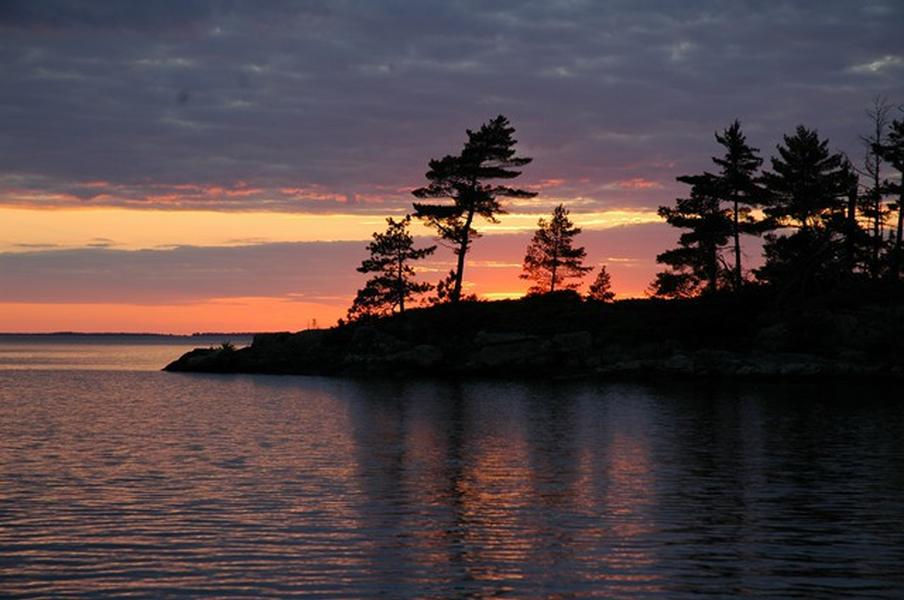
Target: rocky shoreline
597,341
519,356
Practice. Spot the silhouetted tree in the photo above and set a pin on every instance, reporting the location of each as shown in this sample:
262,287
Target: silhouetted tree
871,203
488,154
391,253
737,185
444,291
808,191
552,259
892,152
857,242
696,264
601,288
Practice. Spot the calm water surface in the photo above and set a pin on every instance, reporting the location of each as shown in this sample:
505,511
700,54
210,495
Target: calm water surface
117,480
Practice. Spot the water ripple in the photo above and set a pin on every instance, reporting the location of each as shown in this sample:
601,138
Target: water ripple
142,484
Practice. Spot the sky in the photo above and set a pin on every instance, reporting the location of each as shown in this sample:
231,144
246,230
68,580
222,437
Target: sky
220,165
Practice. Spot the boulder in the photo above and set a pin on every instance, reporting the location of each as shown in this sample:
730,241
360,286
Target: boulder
269,341
484,338
194,360
369,340
423,356
678,363
210,360
574,342
516,354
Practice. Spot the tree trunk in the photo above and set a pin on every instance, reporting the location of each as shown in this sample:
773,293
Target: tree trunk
462,251
877,220
875,169
899,234
737,247
713,270
851,227
459,270
877,234
400,284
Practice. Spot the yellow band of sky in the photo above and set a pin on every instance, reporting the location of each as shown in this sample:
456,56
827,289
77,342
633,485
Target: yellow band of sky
29,229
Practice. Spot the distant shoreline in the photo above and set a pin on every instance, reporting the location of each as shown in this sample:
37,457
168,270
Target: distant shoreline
124,334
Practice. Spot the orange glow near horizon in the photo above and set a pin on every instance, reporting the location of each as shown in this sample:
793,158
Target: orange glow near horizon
492,268
217,315
256,314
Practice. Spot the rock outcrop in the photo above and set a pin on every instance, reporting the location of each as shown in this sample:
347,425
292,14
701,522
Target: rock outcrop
562,336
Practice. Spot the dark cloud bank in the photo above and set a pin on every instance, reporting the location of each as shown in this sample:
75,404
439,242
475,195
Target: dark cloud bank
341,103
336,107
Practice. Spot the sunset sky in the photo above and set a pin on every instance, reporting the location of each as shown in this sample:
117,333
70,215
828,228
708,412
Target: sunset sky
219,166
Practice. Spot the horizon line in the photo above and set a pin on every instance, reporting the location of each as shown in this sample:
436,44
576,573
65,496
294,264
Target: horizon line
137,333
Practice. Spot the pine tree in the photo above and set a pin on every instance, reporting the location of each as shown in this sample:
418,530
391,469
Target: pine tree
892,152
871,204
808,190
696,265
806,183
551,258
601,288
737,185
856,257
489,154
393,282
443,291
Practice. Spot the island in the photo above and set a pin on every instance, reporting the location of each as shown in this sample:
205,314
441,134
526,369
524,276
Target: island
562,335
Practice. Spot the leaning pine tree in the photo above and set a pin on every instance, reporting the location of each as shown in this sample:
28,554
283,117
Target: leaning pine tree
552,259
466,179
393,283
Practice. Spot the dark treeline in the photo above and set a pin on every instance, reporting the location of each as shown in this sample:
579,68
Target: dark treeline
825,221
829,225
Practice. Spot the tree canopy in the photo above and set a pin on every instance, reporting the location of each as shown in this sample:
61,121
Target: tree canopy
696,265
601,288
871,203
808,192
737,185
892,151
807,182
393,281
552,259
468,180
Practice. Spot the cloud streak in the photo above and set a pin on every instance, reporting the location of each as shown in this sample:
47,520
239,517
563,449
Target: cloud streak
322,272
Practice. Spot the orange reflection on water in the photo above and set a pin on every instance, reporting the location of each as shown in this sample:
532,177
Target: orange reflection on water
190,485
628,567
494,493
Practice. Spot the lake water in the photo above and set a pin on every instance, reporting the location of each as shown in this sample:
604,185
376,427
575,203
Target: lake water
120,480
